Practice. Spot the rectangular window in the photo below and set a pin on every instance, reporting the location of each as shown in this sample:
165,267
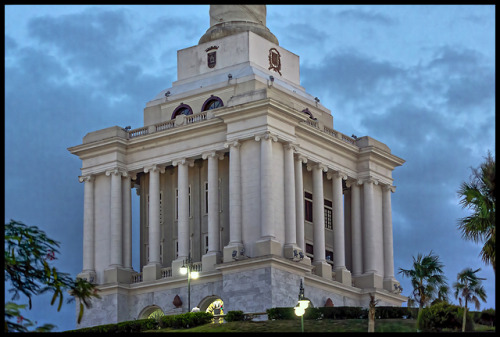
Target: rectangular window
205,243
308,207
206,197
161,208
177,202
329,256
328,214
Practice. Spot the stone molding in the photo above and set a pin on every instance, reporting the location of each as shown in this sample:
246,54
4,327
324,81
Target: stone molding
183,161
153,168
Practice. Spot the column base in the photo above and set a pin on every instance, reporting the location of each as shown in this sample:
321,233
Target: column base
117,275
343,276
233,252
88,275
210,260
368,280
389,285
292,251
323,269
151,272
268,246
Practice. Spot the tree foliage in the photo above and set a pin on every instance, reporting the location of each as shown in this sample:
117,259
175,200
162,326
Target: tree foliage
478,195
29,253
468,287
426,278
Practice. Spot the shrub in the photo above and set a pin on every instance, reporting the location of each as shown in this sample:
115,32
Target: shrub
344,312
128,326
235,315
443,316
189,319
486,317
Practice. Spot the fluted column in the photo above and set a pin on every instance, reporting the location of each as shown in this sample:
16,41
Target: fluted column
388,243
127,221
356,232
88,224
154,213
235,238
291,249
322,268
183,206
299,201
369,228
116,257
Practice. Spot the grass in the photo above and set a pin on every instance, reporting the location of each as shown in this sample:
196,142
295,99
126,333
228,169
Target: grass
325,325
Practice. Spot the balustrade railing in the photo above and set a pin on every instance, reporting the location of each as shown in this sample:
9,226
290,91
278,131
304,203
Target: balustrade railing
166,272
137,277
202,116
138,132
329,131
165,125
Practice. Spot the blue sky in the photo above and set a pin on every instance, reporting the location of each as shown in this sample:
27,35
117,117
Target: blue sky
420,79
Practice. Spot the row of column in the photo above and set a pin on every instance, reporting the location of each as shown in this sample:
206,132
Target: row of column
363,235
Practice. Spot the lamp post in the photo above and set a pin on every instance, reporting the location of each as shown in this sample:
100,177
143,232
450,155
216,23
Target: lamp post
301,306
187,268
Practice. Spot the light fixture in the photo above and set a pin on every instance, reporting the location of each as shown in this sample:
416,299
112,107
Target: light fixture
229,77
127,128
301,306
167,94
316,99
188,268
271,78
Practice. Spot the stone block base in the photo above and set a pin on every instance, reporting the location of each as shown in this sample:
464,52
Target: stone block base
89,276
292,252
210,260
368,280
118,275
389,285
151,272
229,252
343,276
323,269
267,247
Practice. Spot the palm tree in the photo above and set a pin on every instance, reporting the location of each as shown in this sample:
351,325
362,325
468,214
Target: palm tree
469,288
479,196
426,278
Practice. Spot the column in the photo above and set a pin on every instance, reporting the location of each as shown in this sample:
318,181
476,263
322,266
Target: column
116,258
322,267
152,271
235,231
267,245
290,215
88,271
389,279
356,232
299,201
341,273
183,207
127,221
212,257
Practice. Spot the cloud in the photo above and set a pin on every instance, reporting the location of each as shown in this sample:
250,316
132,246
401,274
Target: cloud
363,16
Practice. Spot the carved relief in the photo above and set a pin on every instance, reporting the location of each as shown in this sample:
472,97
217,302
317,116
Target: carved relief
274,60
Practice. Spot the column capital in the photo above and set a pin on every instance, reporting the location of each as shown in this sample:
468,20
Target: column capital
234,143
214,154
292,146
391,188
183,161
351,182
87,178
336,174
153,168
266,135
116,171
312,165
369,180
300,157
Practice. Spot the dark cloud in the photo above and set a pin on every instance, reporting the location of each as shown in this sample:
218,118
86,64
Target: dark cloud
363,16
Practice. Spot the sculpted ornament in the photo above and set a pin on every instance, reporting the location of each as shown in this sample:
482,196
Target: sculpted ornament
274,60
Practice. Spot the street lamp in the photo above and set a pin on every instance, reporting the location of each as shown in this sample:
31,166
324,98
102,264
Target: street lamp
301,306
187,268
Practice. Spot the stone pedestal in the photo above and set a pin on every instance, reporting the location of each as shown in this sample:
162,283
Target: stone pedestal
88,275
389,284
369,280
118,275
151,272
343,276
267,247
289,251
323,269
210,260
228,252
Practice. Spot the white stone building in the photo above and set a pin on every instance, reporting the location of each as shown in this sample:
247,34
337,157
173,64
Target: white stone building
239,168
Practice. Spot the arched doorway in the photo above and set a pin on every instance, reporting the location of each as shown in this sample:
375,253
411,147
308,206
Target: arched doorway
152,311
214,305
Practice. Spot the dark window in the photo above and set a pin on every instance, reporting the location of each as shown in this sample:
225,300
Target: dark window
213,102
309,248
329,255
182,109
328,214
308,207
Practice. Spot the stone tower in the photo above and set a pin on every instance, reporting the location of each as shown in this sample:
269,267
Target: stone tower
241,173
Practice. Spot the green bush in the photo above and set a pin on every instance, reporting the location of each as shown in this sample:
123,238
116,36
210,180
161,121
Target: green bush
187,320
485,317
444,316
280,313
344,312
128,326
235,315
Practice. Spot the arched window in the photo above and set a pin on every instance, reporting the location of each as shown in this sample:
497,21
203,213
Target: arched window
307,112
213,102
182,109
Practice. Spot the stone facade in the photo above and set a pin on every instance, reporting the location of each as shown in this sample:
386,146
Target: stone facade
239,169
